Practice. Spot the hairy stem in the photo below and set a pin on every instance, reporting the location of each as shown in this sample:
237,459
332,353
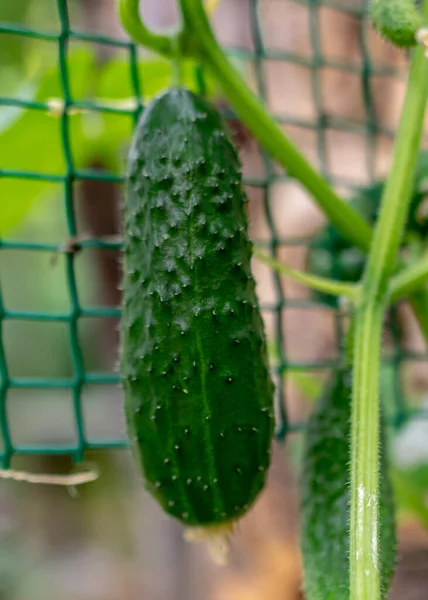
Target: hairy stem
365,560
321,284
364,547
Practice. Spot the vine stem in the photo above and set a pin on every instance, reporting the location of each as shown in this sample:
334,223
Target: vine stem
129,13
321,284
270,135
411,279
197,40
176,63
365,559
267,131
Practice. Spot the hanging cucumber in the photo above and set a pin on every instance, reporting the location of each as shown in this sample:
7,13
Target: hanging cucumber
198,396
398,21
325,498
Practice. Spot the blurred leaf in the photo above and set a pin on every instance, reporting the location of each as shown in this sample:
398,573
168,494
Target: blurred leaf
80,72
12,46
419,476
10,114
36,348
33,141
108,134
103,137
410,496
211,6
154,75
310,386
388,390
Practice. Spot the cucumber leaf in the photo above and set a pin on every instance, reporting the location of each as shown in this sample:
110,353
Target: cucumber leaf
154,75
31,141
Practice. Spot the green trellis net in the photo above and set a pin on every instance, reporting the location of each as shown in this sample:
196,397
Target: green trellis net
366,70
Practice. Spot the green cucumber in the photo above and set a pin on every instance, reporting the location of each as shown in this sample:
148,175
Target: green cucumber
198,395
398,21
325,498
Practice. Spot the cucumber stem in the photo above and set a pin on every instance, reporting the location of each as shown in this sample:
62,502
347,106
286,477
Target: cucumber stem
321,284
176,63
267,131
411,279
365,559
130,18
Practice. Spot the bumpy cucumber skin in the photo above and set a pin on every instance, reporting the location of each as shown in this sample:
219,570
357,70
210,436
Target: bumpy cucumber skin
198,395
396,20
325,498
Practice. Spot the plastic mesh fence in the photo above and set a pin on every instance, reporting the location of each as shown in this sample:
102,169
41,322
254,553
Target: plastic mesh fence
313,60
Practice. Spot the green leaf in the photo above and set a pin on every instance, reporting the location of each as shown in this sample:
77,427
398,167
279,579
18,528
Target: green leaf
310,386
410,495
10,114
154,75
91,135
31,141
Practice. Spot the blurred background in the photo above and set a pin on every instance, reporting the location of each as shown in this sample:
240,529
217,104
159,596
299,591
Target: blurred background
337,89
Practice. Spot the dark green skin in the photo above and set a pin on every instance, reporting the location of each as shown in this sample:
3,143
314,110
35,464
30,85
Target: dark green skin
325,498
198,395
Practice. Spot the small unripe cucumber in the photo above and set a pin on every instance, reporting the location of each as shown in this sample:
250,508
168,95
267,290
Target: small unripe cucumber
198,395
324,529
398,21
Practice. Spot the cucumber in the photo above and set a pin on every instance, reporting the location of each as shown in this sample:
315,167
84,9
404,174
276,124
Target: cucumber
325,498
398,21
194,369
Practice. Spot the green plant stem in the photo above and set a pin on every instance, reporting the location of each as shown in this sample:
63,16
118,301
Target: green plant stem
321,284
133,24
267,131
364,517
271,136
177,65
365,561
411,279
196,40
